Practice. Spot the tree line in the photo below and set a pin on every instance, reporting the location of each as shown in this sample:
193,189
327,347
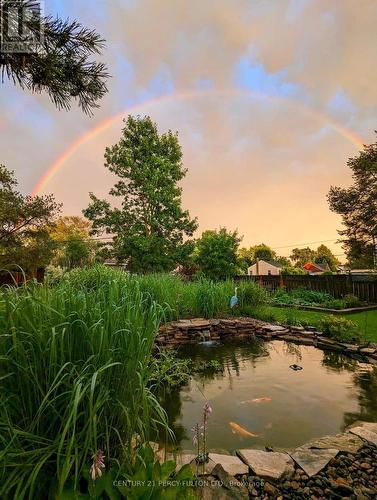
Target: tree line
143,225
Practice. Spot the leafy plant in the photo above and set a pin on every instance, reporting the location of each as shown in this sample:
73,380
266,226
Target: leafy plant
169,370
150,479
339,328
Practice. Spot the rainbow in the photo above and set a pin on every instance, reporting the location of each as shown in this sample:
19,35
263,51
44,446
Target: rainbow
91,134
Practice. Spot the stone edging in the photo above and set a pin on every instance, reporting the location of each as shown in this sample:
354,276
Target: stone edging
267,474
192,331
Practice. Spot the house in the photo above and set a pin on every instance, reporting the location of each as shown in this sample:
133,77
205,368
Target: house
264,268
316,269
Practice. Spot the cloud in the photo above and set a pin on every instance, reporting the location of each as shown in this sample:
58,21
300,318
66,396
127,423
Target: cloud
263,165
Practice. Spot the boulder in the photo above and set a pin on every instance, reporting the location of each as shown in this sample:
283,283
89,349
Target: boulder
270,465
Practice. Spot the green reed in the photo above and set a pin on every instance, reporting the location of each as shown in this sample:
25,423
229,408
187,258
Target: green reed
75,369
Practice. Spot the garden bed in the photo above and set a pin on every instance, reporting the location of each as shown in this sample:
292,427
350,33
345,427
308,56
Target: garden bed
348,310
314,300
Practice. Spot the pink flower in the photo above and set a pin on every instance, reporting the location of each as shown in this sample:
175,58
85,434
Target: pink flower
207,409
98,464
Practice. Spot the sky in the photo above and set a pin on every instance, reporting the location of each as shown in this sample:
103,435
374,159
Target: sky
269,98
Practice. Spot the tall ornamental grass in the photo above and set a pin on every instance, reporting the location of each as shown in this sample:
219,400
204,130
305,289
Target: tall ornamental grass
74,373
76,370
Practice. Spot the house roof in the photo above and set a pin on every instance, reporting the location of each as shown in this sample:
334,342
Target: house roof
272,262
311,266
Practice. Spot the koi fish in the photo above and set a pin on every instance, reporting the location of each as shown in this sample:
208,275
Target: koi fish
241,431
264,399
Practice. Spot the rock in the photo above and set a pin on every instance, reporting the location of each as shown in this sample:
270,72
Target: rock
295,485
365,466
343,442
271,465
365,430
270,489
210,488
342,488
367,350
274,328
236,488
230,463
313,460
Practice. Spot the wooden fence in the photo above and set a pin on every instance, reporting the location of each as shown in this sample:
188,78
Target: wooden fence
337,285
16,278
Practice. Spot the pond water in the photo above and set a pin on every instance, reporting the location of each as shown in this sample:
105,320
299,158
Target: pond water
329,393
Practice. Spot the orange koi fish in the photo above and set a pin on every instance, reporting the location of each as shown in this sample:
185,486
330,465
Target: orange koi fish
241,431
264,399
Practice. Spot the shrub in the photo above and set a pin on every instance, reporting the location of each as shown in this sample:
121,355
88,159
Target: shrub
351,301
339,328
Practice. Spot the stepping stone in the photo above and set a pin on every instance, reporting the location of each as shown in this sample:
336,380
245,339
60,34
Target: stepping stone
343,442
313,460
271,465
365,430
230,463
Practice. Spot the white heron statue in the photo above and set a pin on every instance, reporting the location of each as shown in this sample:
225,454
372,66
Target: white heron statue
234,299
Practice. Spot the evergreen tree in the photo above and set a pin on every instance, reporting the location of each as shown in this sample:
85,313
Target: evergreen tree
60,64
357,206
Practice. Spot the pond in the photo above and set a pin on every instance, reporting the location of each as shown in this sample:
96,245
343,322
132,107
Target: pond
257,392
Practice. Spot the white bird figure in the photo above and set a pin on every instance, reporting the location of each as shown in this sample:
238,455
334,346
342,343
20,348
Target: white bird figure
234,299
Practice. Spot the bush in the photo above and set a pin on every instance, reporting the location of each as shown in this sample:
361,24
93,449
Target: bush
339,328
351,301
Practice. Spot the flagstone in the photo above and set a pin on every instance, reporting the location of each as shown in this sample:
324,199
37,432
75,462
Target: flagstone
313,460
272,465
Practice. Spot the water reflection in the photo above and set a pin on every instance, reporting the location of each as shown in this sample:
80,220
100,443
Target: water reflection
330,392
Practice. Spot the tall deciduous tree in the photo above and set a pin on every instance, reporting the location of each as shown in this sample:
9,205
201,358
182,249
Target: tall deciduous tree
74,247
24,225
60,62
149,225
300,256
357,206
216,253
261,251
323,254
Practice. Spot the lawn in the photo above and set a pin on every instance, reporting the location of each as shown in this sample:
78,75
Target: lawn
366,321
